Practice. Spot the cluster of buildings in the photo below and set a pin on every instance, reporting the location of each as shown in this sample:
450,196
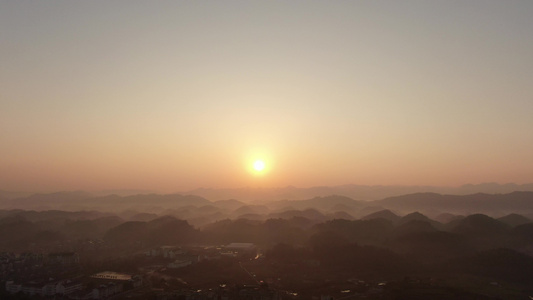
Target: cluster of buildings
63,259
29,266
183,257
30,274
111,283
166,252
24,274
248,292
11,263
44,288
239,250
179,256
102,284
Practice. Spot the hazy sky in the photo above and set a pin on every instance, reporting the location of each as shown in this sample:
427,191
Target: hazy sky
175,95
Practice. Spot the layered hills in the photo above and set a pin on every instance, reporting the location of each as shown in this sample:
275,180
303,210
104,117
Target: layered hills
200,211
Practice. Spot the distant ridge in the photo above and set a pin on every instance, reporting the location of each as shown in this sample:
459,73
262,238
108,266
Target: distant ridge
353,191
200,209
493,204
356,192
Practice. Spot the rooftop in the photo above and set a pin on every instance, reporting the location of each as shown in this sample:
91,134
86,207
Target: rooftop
112,275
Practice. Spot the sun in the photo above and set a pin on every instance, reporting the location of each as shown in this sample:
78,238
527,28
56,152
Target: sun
259,165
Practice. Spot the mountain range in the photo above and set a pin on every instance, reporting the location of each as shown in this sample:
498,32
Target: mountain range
358,192
199,211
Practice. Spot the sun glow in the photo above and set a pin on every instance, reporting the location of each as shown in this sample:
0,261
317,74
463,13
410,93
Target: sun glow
259,165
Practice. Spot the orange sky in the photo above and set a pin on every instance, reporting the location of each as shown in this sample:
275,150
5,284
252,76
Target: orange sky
172,96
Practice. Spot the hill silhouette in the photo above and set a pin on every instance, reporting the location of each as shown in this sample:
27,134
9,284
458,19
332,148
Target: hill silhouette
161,231
514,220
478,225
383,214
